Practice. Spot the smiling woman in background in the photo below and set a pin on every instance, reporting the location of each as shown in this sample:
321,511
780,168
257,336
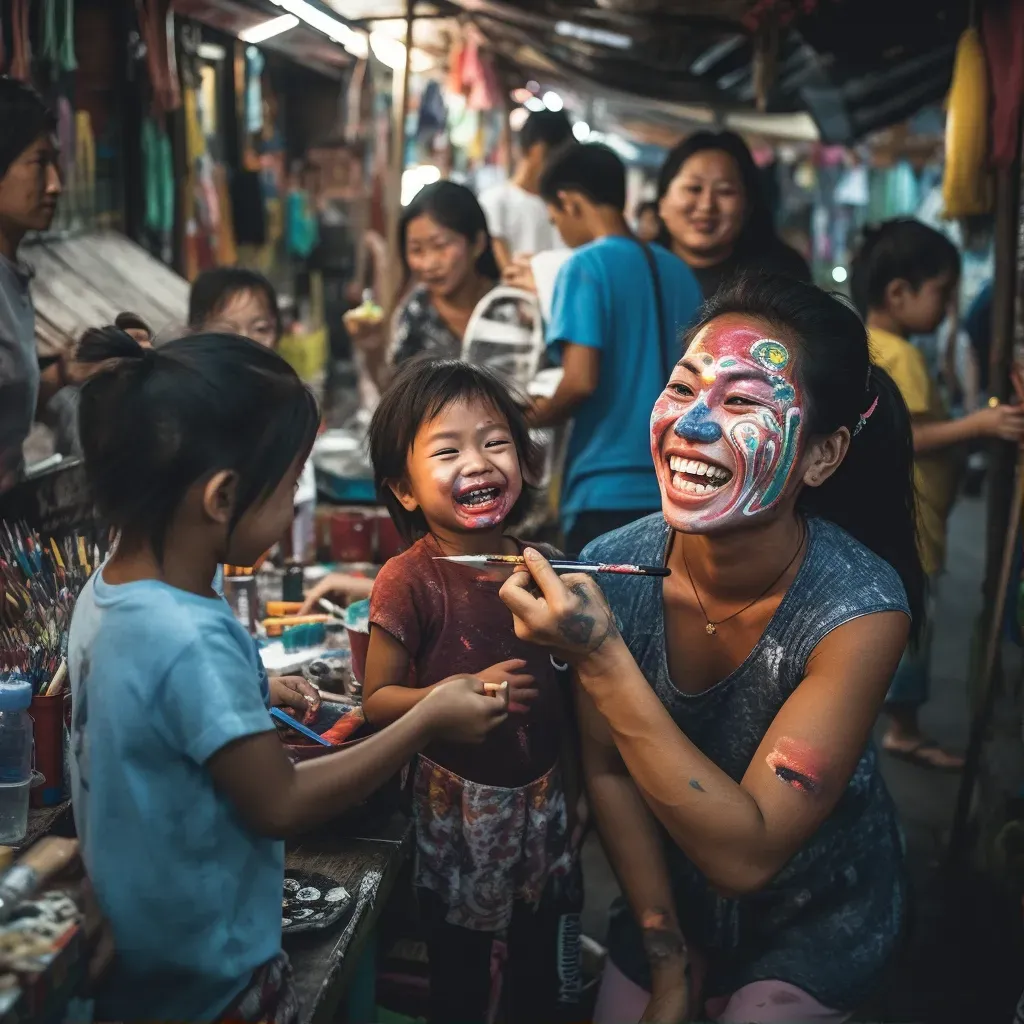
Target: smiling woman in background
715,214
446,251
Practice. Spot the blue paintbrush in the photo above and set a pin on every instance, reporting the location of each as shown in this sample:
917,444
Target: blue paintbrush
299,727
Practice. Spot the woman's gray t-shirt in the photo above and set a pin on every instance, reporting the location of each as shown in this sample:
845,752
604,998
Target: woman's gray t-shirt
829,920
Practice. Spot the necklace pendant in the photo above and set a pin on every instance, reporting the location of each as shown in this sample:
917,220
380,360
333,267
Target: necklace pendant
711,629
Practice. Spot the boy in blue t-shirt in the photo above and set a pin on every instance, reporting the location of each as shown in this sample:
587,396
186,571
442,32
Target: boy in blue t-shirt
618,314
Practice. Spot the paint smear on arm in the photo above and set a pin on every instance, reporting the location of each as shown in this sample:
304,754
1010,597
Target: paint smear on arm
797,764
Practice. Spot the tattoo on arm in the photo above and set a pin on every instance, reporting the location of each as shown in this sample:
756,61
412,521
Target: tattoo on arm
662,939
579,628
695,784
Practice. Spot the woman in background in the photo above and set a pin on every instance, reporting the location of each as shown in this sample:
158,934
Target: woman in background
449,260
715,213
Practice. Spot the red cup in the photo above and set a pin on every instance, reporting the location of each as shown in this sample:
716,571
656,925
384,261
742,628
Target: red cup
389,540
352,536
47,715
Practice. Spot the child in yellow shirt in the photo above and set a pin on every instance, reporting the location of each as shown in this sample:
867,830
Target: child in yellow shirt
903,280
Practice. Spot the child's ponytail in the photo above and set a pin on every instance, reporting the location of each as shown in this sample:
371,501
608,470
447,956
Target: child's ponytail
153,422
871,494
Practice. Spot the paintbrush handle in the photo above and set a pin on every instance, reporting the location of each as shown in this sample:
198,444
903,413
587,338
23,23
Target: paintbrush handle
299,727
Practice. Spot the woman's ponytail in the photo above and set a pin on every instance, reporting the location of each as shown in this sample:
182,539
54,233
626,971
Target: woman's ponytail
871,495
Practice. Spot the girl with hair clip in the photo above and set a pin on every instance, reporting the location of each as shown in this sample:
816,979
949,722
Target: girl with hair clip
182,791
726,713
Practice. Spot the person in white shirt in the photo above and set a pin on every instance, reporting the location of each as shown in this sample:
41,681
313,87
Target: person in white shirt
517,217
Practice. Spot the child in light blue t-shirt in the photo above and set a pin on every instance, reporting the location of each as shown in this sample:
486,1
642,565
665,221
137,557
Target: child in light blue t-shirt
182,791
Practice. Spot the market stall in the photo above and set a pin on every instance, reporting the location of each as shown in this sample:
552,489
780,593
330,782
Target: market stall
50,540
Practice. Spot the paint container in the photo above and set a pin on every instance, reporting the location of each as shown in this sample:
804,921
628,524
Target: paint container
353,533
293,585
240,594
47,715
389,540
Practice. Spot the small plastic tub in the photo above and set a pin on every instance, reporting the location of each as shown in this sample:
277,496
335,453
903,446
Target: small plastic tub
14,811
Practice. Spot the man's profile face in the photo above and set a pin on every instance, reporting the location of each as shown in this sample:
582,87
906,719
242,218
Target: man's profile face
31,187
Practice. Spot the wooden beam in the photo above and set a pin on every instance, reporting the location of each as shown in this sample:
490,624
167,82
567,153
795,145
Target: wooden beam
399,111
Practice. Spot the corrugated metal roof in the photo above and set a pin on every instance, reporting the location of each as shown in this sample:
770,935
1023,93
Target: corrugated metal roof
85,281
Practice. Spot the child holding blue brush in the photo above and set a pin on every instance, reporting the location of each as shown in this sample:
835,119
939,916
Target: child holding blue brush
182,790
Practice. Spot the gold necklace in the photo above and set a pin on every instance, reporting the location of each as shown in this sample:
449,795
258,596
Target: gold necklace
712,627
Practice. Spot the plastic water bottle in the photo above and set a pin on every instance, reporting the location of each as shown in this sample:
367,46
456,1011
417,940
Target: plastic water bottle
15,758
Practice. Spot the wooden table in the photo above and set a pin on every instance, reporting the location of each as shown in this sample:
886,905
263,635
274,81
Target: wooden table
325,964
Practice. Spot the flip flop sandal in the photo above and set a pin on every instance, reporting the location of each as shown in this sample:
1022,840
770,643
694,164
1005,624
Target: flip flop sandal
916,755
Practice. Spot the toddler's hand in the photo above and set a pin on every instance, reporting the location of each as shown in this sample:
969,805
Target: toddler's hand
296,693
520,688
336,586
461,711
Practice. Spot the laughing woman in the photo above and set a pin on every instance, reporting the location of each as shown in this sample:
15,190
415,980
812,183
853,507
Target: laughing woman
727,713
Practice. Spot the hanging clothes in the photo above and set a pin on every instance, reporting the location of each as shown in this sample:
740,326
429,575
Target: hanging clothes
302,232
158,178
66,54
254,64
85,156
433,115
227,252
156,25
1002,27
49,51
21,46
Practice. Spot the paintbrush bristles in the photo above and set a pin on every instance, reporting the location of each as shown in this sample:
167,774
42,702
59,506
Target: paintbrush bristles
38,586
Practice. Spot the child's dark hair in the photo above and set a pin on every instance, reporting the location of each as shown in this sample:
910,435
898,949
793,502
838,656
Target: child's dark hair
422,389
213,289
550,127
153,422
900,249
591,169
871,494
456,208
25,117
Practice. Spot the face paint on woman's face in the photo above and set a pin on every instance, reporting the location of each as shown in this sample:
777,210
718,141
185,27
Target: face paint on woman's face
726,432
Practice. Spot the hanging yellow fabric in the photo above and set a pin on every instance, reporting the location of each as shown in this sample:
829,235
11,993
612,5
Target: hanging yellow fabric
967,183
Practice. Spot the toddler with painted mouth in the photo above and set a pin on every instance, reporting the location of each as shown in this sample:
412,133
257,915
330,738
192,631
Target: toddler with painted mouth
496,851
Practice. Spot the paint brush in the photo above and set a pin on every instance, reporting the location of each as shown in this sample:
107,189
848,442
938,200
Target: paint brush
560,565
299,727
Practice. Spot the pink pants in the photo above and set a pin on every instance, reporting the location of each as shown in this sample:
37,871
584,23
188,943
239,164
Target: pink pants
621,1001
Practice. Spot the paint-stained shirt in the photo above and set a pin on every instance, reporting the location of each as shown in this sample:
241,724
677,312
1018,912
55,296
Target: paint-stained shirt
828,922
450,620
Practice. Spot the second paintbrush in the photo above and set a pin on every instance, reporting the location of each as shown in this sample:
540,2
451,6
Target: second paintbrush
560,565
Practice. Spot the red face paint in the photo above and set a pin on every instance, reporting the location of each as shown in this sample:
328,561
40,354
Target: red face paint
725,433
797,765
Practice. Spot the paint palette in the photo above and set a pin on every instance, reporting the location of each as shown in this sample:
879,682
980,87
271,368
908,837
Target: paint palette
312,902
